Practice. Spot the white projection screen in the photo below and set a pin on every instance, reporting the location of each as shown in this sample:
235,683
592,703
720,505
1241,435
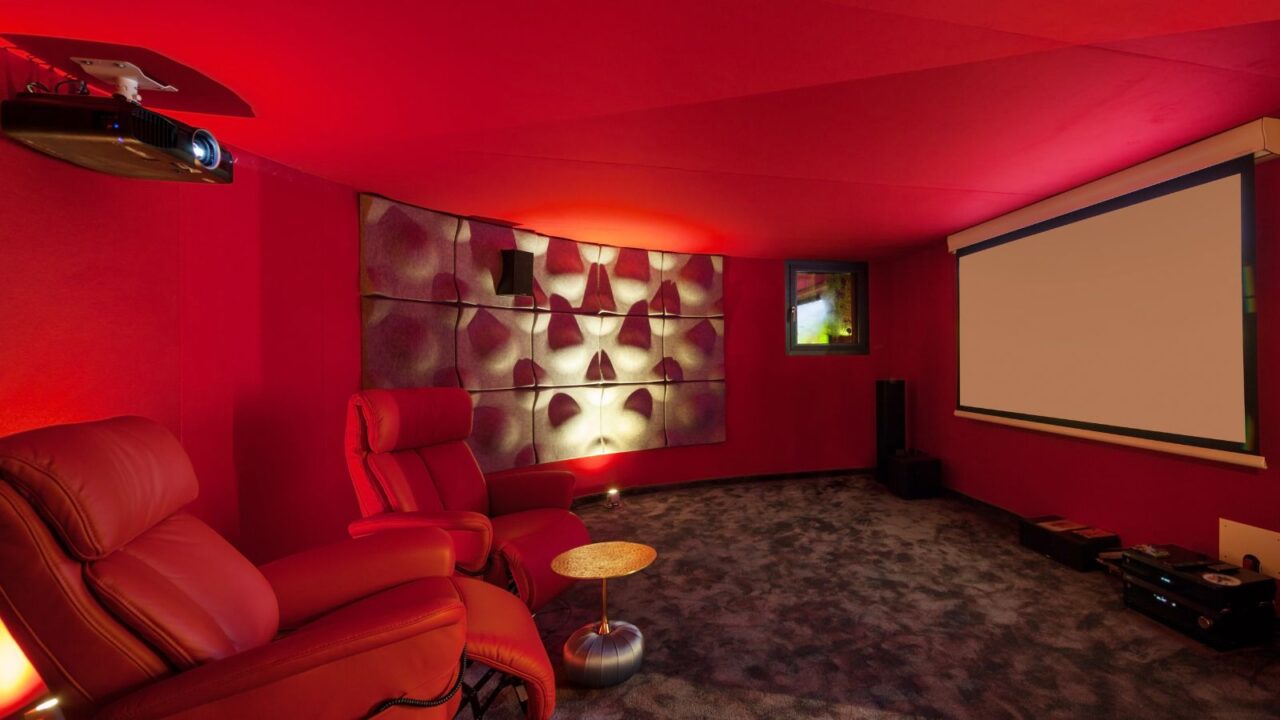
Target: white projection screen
1129,319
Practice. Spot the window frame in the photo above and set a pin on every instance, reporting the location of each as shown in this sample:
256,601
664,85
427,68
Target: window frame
858,272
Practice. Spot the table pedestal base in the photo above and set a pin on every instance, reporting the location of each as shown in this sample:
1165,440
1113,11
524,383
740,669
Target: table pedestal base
595,660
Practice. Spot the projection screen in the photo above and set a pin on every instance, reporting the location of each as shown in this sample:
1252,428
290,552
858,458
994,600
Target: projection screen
1132,318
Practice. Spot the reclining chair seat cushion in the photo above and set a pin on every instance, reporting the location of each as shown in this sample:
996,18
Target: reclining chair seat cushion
528,541
390,425
184,589
457,476
471,533
46,590
397,475
472,545
354,569
407,453
402,641
100,485
107,586
501,634
111,492
431,478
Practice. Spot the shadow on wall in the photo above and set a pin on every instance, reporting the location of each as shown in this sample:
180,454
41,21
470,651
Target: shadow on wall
294,488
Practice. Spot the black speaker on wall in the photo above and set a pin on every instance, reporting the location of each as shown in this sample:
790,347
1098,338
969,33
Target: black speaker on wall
891,422
517,273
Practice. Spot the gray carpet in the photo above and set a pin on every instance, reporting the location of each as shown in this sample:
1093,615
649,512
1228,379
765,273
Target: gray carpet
831,598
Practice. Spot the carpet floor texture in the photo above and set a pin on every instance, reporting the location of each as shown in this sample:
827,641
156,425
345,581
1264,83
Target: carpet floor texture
831,598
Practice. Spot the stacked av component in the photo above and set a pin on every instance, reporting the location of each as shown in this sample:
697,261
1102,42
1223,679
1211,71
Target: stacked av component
1219,604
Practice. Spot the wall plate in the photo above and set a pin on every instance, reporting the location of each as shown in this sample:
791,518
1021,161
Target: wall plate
1235,540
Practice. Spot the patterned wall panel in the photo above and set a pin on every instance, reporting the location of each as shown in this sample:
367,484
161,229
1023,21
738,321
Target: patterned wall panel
406,252
628,281
631,349
565,348
494,352
618,349
692,285
479,261
566,423
695,413
632,417
563,273
501,432
694,348
408,344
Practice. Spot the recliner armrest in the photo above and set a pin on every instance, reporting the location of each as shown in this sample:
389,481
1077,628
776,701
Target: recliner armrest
471,532
319,580
521,490
407,639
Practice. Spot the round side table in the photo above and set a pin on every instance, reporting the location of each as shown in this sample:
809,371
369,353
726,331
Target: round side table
602,654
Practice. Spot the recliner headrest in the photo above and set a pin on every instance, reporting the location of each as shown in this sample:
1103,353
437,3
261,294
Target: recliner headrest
408,418
99,484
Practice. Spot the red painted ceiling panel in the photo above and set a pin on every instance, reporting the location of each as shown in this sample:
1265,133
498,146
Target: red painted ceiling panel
1247,48
994,126
772,128
1083,21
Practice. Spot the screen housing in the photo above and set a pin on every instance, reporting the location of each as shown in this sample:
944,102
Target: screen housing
1244,167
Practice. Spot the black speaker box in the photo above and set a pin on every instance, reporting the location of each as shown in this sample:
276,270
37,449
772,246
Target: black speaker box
891,423
913,475
517,273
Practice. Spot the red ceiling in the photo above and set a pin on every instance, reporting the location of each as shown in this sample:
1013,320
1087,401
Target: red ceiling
791,128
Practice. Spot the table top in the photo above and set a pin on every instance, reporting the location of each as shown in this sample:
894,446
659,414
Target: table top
602,560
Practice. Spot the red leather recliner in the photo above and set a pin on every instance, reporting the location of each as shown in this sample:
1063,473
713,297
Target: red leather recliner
130,608
411,467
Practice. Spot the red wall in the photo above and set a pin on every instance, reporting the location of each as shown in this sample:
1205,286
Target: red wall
784,413
229,314
1145,496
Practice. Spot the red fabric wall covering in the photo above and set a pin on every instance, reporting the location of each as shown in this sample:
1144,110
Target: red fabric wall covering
227,313
231,315
1145,496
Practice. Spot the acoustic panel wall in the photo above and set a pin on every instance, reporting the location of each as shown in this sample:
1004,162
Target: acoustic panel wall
477,255
493,351
408,344
406,252
631,348
694,348
566,348
618,348
566,422
695,413
501,433
632,417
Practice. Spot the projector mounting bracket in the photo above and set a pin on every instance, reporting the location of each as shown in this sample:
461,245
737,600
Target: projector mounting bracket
127,77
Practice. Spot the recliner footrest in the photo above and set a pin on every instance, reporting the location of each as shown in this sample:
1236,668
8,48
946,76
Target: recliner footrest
525,544
501,635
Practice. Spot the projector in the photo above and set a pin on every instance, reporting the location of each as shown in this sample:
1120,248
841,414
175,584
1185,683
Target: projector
114,135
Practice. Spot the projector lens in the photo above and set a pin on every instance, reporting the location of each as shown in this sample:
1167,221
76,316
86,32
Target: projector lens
205,148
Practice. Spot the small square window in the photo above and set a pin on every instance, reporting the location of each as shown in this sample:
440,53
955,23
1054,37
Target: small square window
827,308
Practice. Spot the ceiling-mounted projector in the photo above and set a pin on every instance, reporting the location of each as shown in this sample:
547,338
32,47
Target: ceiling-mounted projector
116,136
